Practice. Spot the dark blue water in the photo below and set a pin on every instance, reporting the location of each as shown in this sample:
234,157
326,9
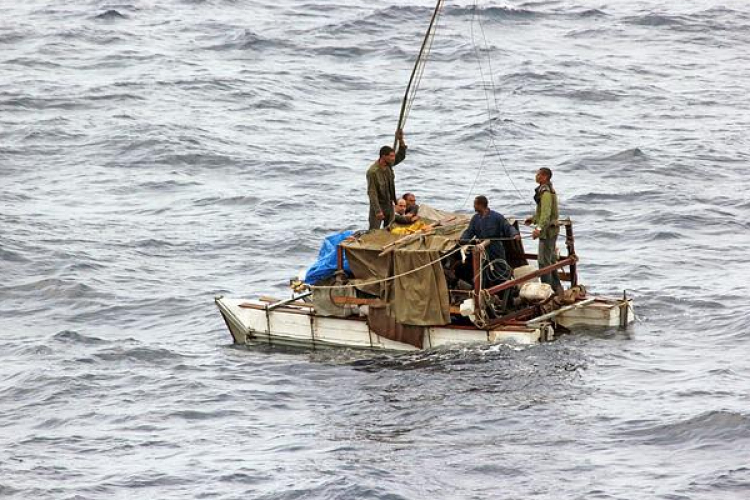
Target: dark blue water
155,154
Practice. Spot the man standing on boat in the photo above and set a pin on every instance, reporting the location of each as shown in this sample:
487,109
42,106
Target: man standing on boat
381,183
546,229
489,225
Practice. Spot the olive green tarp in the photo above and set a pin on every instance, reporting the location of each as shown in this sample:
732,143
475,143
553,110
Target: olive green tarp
417,298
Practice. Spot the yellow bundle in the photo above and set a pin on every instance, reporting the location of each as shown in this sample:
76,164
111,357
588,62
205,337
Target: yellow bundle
411,229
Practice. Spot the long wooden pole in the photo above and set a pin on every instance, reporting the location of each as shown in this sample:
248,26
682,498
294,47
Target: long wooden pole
425,43
545,270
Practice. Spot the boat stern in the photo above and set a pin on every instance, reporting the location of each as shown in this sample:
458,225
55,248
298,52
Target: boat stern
600,313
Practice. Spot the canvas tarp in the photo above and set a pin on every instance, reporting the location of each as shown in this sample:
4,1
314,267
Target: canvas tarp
386,326
418,298
430,214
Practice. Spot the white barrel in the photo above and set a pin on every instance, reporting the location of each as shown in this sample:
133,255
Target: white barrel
536,292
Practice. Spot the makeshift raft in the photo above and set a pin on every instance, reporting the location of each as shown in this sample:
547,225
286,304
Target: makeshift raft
425,291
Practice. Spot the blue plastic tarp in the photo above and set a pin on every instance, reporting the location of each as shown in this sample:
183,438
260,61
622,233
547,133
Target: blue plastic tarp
325,266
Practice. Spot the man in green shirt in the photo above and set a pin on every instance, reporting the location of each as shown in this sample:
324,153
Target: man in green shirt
546,229
381,183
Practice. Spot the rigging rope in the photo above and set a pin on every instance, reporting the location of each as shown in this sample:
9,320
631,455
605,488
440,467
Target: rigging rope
418,70
491,139
416,78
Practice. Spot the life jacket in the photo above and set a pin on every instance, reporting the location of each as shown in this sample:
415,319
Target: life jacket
553,230
543,188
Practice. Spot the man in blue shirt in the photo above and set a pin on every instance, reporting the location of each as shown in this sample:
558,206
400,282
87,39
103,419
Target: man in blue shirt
488,224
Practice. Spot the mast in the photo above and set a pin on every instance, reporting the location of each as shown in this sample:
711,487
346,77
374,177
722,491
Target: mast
419,64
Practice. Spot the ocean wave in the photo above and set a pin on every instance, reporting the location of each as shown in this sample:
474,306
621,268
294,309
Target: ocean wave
167,184
12,256
713,427
369,23
242,200
628,160
42,103
110,15
709,21
591,13
654,19
495,13
74,337
246,39
56,288
151,355
206,414
716,483
14,36
450,359
607,197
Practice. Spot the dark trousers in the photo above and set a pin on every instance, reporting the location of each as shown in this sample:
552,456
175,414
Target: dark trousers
547,257
387,211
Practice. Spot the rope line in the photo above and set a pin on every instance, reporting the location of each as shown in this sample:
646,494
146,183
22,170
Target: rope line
497,106
422,66
418,70
491,139
488,264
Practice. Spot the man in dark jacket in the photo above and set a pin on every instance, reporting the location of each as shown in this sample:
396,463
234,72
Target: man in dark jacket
381,183
489,225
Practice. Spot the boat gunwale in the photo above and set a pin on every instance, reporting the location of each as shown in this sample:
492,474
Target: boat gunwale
290,309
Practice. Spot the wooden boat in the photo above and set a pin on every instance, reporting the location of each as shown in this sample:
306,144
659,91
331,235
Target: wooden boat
295,324
425,291
303,321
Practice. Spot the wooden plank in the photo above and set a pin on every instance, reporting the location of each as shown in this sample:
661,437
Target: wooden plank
271,300
540,272
513,317
356,301
557,312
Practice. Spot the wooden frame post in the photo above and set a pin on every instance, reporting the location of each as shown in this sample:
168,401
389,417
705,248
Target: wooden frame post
476,263
339,258
570,244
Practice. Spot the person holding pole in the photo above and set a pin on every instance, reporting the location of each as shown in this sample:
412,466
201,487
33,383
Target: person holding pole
381,183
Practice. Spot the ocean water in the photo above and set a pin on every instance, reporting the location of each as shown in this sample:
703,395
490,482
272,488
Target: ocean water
156,154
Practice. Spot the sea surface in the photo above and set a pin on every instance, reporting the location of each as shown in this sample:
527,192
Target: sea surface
154,155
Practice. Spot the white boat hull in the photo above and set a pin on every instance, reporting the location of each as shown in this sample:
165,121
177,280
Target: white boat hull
251,322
